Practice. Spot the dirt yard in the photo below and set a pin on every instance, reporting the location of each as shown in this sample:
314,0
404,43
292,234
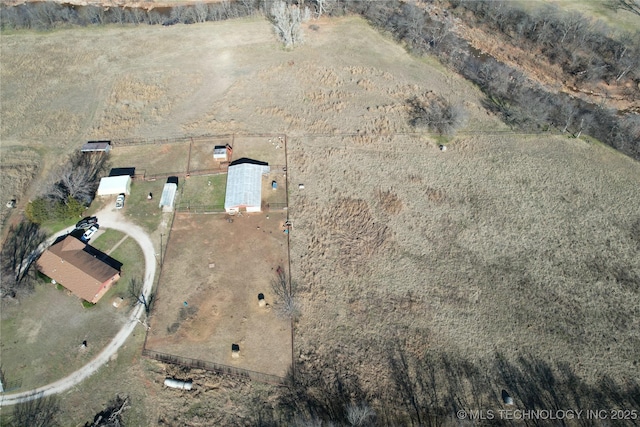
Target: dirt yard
208,296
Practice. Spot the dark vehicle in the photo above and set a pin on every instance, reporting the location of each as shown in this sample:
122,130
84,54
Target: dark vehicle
87,222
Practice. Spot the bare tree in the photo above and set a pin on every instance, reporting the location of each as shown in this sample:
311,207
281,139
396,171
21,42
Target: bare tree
436,113
3,380
41,412
287,21
136,286
286,303
117,15
585,121
359,415
323,6
78,178
111,416
19,251
632,6
201,11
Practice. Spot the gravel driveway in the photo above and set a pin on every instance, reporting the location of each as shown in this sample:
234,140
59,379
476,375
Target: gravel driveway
107,218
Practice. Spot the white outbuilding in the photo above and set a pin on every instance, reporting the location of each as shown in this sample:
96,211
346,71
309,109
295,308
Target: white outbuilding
114,185
244,185
169,194
222,152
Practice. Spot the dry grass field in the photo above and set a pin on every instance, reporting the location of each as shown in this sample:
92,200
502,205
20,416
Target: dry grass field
508,261
526,246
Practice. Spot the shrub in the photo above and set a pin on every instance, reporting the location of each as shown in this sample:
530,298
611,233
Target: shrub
37,211
435,113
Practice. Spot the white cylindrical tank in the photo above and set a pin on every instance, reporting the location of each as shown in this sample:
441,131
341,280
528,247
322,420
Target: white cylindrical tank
182,385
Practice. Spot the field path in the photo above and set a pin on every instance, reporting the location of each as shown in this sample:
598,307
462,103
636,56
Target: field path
108,218
117,245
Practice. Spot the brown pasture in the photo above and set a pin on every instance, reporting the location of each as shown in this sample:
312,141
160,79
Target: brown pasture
218,268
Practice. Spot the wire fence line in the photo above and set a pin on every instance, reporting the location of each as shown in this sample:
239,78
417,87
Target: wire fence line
228,138
196,209
214,367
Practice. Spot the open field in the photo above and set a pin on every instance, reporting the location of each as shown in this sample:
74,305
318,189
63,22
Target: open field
202,84
268,149
42,335
522,246
517,249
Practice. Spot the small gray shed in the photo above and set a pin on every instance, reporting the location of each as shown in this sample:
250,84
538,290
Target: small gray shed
93,146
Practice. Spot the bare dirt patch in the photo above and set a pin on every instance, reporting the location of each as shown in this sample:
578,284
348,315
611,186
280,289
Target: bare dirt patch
219,274
201,158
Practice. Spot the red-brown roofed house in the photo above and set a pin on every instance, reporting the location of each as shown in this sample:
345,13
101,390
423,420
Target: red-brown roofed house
80,268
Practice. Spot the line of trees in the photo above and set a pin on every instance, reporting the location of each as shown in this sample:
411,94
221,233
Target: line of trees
48,15
585,49
520,102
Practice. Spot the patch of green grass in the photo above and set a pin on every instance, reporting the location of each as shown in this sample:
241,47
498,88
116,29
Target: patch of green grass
122,375
132,259
43,277
36,350
52,227
203,191
87,304
141,210
107,240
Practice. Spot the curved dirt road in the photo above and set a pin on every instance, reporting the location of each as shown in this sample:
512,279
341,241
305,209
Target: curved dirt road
107,218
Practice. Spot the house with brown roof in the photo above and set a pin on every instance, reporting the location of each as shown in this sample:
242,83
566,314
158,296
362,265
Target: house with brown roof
82,269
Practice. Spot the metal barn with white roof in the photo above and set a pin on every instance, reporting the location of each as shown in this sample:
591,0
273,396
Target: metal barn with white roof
114,185
244,185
